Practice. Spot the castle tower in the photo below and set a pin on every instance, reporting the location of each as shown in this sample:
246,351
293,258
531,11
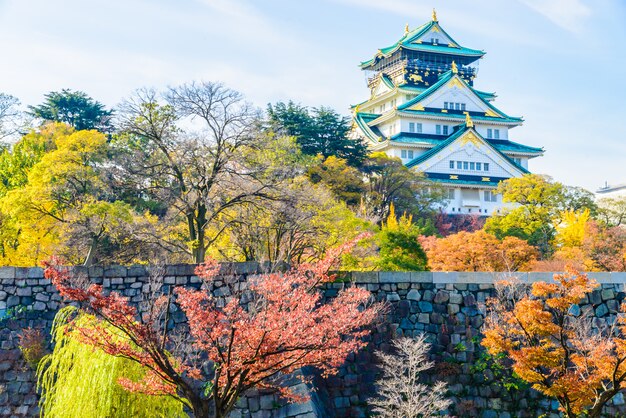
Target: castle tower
424,109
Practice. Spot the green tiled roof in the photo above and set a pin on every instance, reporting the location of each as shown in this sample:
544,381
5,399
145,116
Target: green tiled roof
362,119
407,40
387,81
508,119
445,77
436,149
500,144
466,182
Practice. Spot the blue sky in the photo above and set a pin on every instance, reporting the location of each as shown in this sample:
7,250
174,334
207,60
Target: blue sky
558,63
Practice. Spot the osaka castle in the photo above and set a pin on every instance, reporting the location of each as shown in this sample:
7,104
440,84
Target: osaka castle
425,110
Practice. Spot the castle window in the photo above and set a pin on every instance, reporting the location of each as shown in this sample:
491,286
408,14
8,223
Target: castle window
445,129
411,126
411,154
486,166
445,105
438,129
489,133
457,106
403,153
465,165
451,164
490,197
459,165
479,166
496,133
418,128
450,194
463,106
472,166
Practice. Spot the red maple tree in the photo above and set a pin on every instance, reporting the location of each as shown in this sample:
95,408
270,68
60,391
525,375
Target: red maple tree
275,326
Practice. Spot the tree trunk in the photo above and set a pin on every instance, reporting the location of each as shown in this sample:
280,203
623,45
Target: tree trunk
91,253
200,409
199,252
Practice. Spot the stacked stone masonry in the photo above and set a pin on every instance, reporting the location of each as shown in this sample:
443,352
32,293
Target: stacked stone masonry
447,307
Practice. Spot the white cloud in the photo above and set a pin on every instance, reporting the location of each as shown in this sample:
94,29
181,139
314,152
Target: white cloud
568,14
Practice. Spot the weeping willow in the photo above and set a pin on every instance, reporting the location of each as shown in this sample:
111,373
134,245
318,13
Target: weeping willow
79,381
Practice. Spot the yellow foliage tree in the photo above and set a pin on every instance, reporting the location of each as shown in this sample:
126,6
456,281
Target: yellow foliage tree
570,231
554,346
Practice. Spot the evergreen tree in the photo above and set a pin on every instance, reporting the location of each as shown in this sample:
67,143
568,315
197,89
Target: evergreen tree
317,131
75,108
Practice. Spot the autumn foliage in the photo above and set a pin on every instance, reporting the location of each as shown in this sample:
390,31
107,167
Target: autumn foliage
555,346
283,327
477,251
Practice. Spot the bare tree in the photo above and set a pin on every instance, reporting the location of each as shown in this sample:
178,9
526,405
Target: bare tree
191,151
400,394
10,116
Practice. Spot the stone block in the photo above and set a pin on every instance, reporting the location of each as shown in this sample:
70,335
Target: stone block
7,273
601,277
342,402
393,297
365,277
394,277
602,310
180,269
442,297
96,271
24,291
35,273
607,294
425,307
456,298
414,295
115,271
421,277
266,402
540,276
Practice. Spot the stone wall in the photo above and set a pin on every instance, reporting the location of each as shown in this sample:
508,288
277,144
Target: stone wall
448,307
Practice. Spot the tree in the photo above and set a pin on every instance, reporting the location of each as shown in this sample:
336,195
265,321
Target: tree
477,251
194,146
299,227
320,131
570,232
282,327
400,393
604,247
538,201
399,245
80,380
344,181
389,181
10,116
556,348
75,108
612,210
62,202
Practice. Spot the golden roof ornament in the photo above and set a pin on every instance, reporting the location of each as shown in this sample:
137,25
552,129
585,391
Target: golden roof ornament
455,69
406,29
469,123
434,15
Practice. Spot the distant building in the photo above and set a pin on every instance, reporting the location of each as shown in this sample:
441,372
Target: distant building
608,190
425,110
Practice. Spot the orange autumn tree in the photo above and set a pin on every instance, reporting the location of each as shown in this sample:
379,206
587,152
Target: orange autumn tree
477,251
276,326
554,347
